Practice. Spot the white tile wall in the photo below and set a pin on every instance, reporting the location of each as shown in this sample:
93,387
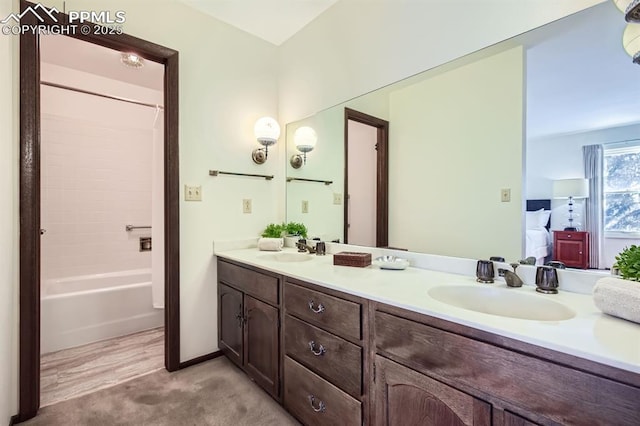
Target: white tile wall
96,178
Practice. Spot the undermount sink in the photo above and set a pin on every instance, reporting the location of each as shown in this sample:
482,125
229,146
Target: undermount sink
503,302
287,257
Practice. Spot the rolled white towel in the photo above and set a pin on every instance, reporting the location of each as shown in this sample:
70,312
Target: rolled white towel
270,244
618,297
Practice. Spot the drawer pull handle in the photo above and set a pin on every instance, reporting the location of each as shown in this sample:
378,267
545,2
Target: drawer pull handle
321,407
320,308
321,350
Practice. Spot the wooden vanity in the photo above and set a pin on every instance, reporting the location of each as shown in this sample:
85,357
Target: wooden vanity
331,358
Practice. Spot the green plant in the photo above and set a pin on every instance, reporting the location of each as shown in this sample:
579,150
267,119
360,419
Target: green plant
298,229
628,262
274,230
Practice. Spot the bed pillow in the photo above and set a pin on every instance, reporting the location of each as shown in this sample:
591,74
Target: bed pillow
537,219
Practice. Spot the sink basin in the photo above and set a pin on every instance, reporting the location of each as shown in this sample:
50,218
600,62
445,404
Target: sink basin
503,302
287,257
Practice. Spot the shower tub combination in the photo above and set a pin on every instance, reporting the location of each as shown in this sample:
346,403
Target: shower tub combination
88,308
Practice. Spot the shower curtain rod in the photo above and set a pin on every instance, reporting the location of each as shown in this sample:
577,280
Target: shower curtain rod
88,92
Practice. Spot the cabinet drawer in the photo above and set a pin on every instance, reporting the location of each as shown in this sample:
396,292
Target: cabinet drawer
315,401
262,286
333,358
570,235
336,315
565,395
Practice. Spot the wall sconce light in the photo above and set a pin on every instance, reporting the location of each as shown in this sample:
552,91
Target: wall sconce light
571,189
267,131
305,139
630,8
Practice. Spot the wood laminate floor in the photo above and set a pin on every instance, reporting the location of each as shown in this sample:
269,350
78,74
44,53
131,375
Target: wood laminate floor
77,371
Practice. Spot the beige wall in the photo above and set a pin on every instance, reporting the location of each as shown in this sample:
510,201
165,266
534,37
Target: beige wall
354,48
451,156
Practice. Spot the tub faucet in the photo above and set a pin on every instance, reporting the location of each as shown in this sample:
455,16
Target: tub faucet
512,279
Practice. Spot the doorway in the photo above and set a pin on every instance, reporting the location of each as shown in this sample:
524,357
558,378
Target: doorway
30,193
366,207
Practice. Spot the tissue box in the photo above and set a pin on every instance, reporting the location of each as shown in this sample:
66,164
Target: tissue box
352,258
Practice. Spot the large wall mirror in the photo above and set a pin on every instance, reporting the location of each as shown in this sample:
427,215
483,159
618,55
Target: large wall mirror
471,141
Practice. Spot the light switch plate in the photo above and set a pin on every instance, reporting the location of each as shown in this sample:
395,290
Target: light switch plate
505,195
337,198
305,206
246,205
192,193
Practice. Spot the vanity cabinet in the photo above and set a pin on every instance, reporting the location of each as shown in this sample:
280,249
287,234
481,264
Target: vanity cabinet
571,248
346,360
468,371
249,323
406,397
324,352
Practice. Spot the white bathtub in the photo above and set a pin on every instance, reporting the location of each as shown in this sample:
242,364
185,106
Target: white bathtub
88,308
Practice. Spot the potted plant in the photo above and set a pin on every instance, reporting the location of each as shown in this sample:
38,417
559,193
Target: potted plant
273,230
293,232
272,237
628,263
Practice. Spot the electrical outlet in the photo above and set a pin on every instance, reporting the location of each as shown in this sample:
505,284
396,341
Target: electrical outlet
337,198
246,205
305,206
192,193
505,195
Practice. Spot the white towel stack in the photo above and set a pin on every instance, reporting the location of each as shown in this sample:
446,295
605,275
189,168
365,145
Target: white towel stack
618,297
270,244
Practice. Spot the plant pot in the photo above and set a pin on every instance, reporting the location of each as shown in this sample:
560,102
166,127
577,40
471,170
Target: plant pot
291,240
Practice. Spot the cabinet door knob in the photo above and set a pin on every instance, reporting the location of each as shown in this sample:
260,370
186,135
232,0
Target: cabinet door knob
315,310
321,350
321,406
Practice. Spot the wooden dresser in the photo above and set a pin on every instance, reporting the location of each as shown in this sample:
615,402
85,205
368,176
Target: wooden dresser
571,248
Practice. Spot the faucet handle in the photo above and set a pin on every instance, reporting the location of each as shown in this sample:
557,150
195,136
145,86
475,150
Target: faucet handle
547,280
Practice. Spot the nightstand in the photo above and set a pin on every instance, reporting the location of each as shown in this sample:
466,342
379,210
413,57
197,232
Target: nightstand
571,248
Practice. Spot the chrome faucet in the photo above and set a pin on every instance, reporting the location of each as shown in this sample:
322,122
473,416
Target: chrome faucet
512,279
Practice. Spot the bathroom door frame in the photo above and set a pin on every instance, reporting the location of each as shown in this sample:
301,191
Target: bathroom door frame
382,173
29,299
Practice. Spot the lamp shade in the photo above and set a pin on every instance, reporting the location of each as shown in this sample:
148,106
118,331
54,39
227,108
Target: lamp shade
305,139
576,188
622,5
631,41
267,131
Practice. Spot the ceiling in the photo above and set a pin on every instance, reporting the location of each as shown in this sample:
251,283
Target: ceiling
579,77
91,58
271,20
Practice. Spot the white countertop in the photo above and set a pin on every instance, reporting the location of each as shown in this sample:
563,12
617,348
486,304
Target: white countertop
590,334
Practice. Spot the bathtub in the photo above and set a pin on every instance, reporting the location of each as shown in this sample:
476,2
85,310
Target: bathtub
88,308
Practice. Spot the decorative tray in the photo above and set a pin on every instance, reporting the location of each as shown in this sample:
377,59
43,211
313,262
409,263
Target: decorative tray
391,262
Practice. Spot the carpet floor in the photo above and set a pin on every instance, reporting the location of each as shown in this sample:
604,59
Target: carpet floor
212,393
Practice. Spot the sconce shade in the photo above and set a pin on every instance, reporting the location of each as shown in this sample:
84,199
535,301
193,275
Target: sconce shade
576,188
622,4
630,8
267,131
631,41
305,139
